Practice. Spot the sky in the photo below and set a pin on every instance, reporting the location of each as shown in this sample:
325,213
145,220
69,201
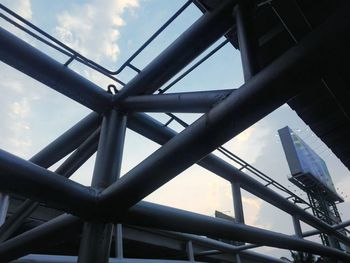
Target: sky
109,32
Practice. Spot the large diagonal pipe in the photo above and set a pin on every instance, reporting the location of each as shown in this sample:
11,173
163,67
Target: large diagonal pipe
155,131
190,44
34,63
257,92
74,198
263,93
32,181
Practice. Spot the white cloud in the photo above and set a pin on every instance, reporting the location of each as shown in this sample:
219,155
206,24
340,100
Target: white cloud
21,7
249,144
15,108
93,28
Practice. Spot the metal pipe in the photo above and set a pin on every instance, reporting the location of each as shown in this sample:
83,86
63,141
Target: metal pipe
47,234
96,238
189,250
34,258
303,234
237,206
154,130
66,169
237,201
247,42
32,62
154,215
263,93
67,142
4,204
118,239
204,32
34,182
176,102
167,218
335,227
297,227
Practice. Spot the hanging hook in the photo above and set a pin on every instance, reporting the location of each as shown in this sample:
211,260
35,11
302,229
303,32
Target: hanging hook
112,89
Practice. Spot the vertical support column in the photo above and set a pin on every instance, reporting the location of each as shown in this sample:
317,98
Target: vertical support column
97,236
118,236
189,249
4,204
332,242
247,42
237,202
238,258
297,227
238,208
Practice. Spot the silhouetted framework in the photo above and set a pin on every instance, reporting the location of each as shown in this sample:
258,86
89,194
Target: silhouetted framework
111,210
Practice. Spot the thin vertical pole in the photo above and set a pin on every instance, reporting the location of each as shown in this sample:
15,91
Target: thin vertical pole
189,249
97,236
238,208
118,241
4,204
238,258
297,227
237,202
247,42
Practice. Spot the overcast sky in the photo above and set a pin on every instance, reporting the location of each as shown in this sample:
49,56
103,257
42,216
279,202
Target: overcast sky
109,32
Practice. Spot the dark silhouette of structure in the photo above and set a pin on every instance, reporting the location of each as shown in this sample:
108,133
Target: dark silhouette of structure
290,50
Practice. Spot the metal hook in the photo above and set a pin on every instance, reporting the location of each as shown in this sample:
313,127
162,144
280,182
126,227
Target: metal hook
110,87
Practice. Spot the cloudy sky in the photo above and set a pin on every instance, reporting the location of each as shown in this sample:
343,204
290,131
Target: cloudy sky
109,32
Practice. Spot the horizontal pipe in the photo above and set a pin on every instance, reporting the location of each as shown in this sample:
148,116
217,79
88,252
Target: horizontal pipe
262,94
221,247
196,39
34,63
157,216
72,259
155,131
200,101
167,218
34,182
335,227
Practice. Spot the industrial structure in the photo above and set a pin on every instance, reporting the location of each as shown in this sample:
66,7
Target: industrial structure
309,172
290,51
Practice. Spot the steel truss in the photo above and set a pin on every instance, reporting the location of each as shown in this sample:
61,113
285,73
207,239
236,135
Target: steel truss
112,200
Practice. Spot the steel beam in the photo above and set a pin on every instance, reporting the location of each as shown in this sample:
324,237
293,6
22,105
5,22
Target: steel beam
154,130
237,201
45,235
67,142
34,182
201,101
71,259
66,169
247,41
263,93
97,236
219,246
297,227
32,62
335,227
167,218
196,39
4,204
